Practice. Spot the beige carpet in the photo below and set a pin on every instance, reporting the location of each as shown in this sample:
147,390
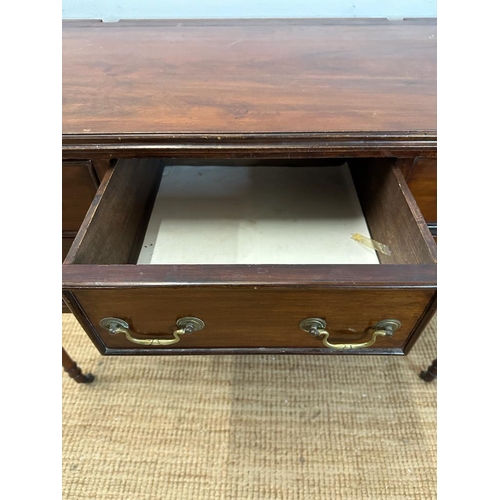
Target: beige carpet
249,427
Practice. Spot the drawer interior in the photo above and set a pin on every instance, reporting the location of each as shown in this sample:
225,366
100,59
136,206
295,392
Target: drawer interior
249,215
243,212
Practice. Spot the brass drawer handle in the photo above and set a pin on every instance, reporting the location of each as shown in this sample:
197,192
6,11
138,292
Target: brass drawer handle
316,327
185,326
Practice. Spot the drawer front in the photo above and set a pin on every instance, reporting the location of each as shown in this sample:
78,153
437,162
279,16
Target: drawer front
423,185
258,318
79,185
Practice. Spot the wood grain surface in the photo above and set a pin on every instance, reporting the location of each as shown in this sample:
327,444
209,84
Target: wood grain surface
252,317
422,181
246,76
79,185
66,245
211,89
392,214
115,225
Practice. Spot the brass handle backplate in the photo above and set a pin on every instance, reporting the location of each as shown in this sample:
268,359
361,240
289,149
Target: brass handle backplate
317,328
185,326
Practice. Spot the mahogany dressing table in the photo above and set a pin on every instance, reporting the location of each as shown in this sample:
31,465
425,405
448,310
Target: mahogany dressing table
235,128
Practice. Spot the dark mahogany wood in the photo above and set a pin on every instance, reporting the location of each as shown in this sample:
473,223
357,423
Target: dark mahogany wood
128,191
79,185
245,306
259,145
184,77
245,87
392,214
427,315
65,308
422,181
74,371
66,245
430,374
296,276
223,90
117,219
101,166
252,317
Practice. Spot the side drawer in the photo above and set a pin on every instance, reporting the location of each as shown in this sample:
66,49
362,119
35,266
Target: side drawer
79,186
256,307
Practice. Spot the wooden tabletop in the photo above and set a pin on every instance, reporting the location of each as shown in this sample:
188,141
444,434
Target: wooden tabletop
249,77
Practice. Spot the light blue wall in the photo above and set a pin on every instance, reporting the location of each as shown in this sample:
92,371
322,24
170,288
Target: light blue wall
113,10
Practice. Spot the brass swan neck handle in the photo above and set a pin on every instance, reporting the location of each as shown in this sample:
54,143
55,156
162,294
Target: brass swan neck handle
317,328
185,326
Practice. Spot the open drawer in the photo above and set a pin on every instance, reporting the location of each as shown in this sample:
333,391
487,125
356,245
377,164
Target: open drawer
242,258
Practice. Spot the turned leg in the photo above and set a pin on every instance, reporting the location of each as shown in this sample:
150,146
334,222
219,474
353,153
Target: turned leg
431,373
74,371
